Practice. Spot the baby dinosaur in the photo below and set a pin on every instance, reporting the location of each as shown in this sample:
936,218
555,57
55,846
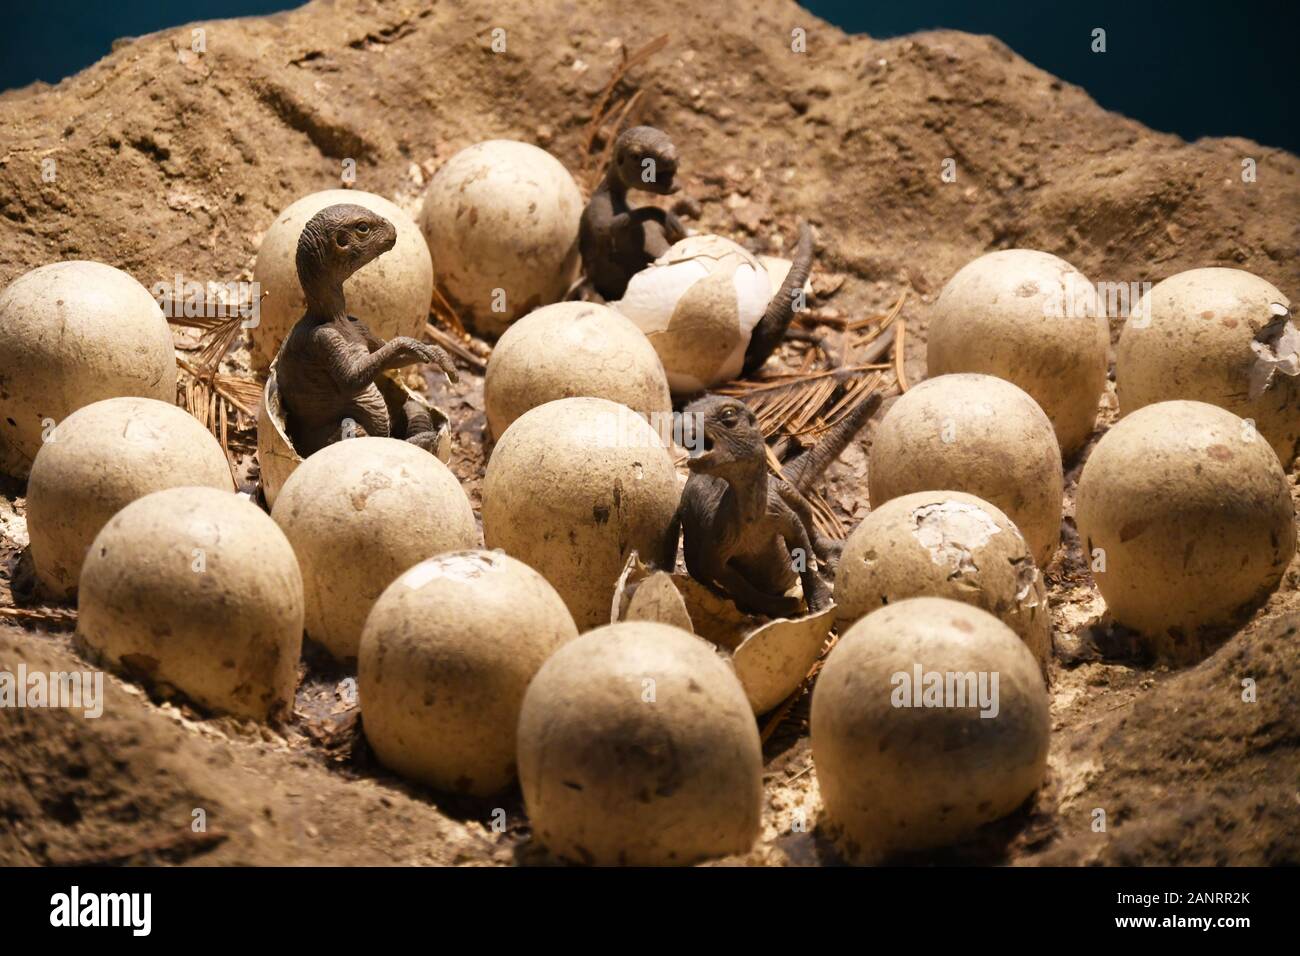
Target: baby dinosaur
747,533
617,241
327,366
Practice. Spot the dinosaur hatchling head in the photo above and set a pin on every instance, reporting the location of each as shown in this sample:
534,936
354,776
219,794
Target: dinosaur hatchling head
645,158
725,436
339,240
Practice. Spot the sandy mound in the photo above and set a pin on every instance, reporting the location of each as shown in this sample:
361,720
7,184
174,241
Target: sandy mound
168,161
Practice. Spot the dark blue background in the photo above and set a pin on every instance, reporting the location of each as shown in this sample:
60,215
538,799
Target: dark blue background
1193,68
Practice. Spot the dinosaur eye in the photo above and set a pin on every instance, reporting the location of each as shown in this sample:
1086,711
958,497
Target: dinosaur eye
363,228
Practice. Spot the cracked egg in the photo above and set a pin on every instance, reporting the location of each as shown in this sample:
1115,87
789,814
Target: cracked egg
944,544
698,303
1222,336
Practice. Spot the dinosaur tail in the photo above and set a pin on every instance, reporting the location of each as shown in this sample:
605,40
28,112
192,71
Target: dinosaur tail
805,469
769,332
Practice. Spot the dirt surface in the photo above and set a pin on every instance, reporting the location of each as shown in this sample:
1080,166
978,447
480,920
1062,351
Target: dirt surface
170,161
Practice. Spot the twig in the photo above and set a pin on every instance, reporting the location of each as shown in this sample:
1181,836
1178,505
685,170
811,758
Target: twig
604,110
56,616
456,348
898,356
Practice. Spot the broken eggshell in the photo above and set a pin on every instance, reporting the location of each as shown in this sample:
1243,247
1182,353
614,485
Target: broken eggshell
275,451
698,303
770,657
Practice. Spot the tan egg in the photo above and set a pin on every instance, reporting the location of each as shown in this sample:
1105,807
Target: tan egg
944,544
1033,319
981,435
358,513
698,303
197,589
637,747
573,349
100,459
1187,522
929,720
446,655
73,333
573,487
1221,336
501,220
391,295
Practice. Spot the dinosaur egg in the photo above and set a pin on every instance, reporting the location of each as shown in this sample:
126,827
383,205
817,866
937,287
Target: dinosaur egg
197,589
698,303
1186,521
73,333
358,513
573,349
446,655
1221,336
637,747
929,720
390,294
981,435
100,459
501,220
573,486
944,544
1032,319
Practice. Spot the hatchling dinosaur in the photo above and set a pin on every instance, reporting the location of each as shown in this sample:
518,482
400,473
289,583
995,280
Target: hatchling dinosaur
747,534
618,241
327,366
